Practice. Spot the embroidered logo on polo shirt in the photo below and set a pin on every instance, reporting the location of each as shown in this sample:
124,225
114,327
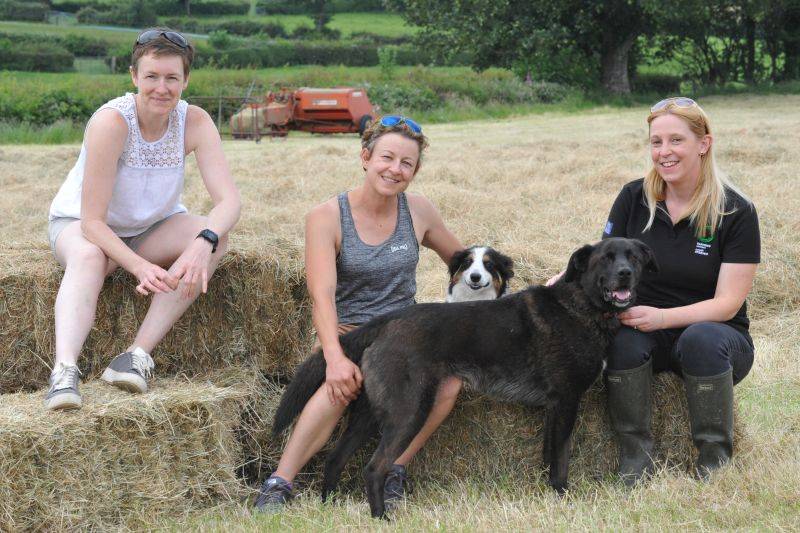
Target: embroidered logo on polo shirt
704,243
702,248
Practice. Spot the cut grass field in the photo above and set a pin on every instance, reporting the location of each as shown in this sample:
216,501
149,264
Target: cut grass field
535,187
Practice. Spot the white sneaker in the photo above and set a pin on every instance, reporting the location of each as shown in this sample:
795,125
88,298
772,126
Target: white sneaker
63,392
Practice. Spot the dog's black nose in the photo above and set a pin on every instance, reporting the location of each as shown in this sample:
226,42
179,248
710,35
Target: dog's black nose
624,272
475,277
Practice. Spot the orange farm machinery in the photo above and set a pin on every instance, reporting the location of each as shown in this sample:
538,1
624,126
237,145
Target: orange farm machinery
340,110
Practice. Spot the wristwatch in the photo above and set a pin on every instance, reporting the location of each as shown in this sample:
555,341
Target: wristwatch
209,236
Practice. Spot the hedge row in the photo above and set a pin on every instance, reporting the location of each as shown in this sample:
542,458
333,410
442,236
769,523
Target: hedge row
244,28
292,7
77,45
162,7
30,56
44,99
281,53
31,11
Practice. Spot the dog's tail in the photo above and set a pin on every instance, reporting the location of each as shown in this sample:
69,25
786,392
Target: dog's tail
310,375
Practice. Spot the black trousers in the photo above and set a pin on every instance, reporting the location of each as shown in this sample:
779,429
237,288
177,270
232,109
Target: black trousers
704,349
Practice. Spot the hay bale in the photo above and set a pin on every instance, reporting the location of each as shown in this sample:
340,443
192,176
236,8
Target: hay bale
255,314
487,439
122,461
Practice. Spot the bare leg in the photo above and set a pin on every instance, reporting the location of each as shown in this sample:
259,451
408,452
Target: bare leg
446,397
312,430
163,247
85,268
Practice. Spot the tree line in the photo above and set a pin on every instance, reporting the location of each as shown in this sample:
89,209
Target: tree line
602,42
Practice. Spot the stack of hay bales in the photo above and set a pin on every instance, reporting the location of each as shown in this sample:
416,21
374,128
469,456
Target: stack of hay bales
125,460
121,459
201,435
255,313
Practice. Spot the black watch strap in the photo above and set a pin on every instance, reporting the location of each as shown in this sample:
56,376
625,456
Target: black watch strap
211,237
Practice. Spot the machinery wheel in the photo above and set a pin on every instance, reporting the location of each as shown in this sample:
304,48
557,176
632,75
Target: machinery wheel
364,123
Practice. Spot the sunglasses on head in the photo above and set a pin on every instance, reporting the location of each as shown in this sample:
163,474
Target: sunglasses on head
172,36
679,101
394,120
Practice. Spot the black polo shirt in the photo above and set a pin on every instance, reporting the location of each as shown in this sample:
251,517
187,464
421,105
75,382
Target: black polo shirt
688,266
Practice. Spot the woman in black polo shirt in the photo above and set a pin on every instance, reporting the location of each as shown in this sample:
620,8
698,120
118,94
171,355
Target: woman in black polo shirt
691,315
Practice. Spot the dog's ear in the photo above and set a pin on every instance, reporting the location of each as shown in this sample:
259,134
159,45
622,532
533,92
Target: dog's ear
505,265
648,257
456,261
578,263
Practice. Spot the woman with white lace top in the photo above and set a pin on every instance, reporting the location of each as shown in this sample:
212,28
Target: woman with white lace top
120,207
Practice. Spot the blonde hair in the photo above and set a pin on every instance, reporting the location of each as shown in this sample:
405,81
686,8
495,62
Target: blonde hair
707,206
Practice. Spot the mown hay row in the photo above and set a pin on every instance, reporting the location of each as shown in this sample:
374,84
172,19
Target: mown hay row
122,460
255,314
485,439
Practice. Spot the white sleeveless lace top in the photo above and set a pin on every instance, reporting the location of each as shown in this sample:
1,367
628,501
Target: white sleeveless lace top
149,179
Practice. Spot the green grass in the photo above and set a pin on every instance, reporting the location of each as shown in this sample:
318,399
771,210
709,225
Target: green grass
61,132
90,65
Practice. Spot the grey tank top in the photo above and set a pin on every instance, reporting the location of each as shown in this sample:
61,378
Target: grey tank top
373,280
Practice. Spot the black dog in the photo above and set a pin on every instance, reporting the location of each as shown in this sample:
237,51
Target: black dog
543,346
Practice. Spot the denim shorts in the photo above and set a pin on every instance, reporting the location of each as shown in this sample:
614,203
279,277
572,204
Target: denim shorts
57,225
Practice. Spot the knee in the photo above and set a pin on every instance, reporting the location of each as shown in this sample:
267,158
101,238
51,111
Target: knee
88,259
629,349
448,390
701,351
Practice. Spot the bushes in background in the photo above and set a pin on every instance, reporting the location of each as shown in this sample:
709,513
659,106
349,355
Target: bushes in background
43,57
160,7
656,83
45,99
31,11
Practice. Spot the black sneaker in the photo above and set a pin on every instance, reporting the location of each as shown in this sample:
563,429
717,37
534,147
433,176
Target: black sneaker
395,486
130,371
274,493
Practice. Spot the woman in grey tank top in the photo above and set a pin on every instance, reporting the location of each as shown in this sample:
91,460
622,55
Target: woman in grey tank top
362,250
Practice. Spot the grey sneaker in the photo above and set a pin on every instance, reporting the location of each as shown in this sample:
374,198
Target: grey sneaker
63,392
130,370
395,486
274,493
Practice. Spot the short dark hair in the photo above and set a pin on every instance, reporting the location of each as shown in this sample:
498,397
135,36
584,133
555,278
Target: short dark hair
376,130
161,46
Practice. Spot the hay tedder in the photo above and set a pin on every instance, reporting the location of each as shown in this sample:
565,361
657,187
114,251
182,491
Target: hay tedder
340,110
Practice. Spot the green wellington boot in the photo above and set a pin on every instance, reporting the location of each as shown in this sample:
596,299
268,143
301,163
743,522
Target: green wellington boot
629,408
711,415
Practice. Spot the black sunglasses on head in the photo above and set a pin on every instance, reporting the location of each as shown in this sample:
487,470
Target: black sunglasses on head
172,36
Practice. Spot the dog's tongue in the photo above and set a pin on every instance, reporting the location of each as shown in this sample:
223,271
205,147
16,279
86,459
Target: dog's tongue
621,295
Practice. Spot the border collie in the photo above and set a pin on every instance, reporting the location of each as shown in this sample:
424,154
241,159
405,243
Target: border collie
478,273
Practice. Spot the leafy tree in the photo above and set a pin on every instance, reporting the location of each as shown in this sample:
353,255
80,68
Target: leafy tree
589,38
321,11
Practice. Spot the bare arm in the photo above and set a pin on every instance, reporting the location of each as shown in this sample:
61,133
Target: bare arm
733,285
203,139
343,378
436,236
